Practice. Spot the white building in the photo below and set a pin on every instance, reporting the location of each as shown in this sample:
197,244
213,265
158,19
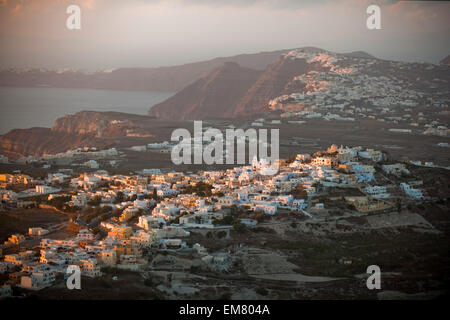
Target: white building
85,235
397,169
267,208
44,189
90,268
38,280
150,222
92,164
377,191
410,191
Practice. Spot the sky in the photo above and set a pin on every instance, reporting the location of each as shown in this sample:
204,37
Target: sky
150,33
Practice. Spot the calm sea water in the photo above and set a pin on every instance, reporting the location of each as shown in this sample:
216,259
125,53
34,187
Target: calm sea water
39,107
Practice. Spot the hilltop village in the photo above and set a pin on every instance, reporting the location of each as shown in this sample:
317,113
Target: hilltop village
125,222
347,88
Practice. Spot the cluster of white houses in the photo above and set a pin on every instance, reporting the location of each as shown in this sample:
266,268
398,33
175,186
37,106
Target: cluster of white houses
339,83
155,211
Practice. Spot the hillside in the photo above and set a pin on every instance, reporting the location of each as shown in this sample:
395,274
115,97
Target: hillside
314,81
214,95
38,141
233,91
301,86
359,54
83,129
272,83
100,124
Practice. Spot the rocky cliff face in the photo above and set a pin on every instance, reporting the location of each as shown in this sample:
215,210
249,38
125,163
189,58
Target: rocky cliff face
233,91
38,141
83,129
272,83
98,124
213,96
86,123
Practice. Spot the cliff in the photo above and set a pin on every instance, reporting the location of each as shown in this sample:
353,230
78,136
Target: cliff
98,124
83,129
38,141
272,83
233,91
213,96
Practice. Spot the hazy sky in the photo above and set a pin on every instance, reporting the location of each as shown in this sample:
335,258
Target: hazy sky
139,33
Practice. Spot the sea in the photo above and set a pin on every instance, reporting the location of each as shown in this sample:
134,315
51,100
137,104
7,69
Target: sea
22,108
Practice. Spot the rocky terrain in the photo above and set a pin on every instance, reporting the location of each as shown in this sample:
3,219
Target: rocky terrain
273,82
39,141
322,82
250,91
214,95
100,124
83,129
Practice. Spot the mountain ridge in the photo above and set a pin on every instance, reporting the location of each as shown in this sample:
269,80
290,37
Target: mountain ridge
295,76
225,100
212,95
164,78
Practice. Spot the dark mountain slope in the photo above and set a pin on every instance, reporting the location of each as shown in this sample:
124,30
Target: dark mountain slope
270,84
38,141
213,96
